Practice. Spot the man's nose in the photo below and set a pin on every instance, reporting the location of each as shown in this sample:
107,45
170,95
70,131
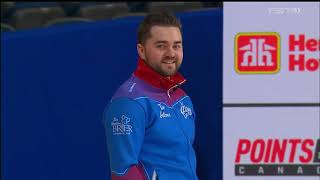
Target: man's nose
170,53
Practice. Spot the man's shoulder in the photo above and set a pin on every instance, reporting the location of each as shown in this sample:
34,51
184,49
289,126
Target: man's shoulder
134,88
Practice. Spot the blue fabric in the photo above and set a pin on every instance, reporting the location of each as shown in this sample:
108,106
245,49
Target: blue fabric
56,81
140,128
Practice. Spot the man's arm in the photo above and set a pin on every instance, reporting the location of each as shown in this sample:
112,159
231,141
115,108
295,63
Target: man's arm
124,121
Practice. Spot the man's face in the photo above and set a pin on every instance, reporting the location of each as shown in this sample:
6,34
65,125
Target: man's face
163,50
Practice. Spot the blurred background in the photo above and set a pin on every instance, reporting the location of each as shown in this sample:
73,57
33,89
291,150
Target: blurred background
25,15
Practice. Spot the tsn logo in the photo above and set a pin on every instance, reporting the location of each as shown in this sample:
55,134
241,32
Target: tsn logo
278,157
257,53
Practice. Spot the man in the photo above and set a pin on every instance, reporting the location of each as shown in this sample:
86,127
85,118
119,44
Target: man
150,120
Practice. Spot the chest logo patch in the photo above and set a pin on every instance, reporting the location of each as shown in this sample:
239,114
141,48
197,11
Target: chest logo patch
185,111
162,113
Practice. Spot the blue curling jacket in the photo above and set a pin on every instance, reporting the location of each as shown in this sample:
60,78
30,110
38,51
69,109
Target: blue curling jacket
150,122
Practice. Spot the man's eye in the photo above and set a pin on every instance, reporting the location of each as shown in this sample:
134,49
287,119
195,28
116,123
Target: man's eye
160,46
176,47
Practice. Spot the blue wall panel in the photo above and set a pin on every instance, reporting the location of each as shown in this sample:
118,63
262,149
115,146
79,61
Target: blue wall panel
56,82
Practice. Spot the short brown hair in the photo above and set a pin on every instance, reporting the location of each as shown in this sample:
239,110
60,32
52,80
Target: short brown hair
157,18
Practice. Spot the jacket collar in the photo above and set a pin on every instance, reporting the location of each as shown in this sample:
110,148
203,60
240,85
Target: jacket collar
147,74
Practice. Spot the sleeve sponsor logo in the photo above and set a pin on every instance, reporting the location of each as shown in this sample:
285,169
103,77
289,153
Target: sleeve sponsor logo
121,126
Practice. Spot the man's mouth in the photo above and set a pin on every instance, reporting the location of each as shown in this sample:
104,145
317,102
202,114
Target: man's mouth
169,61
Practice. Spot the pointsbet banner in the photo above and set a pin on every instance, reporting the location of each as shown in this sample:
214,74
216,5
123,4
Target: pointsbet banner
271,52
271,91
271,142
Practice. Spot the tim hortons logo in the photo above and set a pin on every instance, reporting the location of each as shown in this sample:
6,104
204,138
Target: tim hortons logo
257,53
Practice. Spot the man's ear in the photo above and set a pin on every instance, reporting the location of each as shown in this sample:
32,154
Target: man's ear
141,51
